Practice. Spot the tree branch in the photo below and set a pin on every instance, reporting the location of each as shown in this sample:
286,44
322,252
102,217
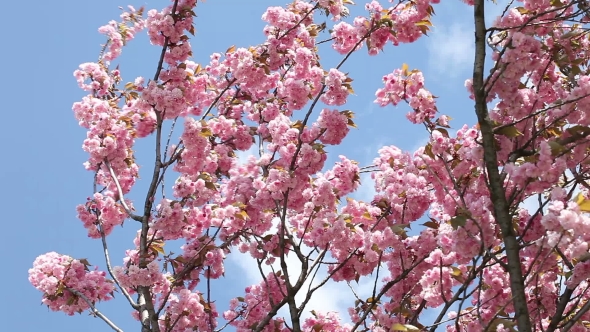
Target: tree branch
93,309
495,183
120,192
110,269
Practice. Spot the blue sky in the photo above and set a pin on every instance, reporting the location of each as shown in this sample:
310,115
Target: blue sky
42,169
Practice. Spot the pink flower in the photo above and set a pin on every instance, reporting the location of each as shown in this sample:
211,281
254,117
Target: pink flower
62,279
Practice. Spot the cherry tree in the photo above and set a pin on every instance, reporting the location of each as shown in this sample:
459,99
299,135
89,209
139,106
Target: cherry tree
501,205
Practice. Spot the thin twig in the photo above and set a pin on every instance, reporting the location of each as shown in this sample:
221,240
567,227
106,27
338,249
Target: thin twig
110,269
120,192
93,309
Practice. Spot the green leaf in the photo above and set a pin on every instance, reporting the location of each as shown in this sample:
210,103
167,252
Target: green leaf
508,324
509,131
405,69
430,10
210,185
443,131
348,113
583,203
375,248
556,148
242,215
398,327
231,49
575,70
206,132
157,247
578,130
84,261
348,88
458,221
298,125
428,150
424,29
556,3
424,22
431,224
386,21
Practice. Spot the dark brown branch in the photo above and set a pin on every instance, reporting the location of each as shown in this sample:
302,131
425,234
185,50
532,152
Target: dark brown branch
495,183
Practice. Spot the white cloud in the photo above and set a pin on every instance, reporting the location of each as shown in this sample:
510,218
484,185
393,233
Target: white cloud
366,191
370,109
420,143
493,10
451,44
451,49
531,204
331,297
244,155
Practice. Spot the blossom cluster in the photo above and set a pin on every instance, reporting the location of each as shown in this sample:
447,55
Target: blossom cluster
429,232
67,284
